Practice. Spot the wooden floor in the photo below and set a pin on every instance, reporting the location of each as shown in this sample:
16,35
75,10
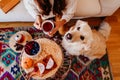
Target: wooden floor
113,43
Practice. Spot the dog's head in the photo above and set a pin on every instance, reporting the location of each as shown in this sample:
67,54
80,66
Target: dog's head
80,34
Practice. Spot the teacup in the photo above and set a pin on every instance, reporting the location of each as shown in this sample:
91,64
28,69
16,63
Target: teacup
47,26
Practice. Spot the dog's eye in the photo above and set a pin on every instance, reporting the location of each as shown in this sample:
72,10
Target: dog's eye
82,37
78,28
69,36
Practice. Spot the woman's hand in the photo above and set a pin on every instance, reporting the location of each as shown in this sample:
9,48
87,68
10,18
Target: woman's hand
38,22
58,24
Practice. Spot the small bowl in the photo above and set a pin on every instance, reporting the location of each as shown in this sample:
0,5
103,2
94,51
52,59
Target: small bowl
47,26
32,48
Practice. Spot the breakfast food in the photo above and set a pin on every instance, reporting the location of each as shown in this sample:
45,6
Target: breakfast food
47,62
18,40
50,64
32,48
44,66
27,63
41,67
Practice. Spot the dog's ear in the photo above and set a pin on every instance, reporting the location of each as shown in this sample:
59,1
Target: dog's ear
87,47
79,22
88,44
72,28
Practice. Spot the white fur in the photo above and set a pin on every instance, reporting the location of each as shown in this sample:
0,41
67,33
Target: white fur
94,43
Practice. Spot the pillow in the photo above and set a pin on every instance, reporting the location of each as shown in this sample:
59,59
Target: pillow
87,8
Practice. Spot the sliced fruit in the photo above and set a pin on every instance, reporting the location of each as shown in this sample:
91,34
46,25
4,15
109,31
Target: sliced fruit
50,63
41,68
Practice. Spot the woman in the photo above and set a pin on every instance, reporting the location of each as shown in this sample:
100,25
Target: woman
44,9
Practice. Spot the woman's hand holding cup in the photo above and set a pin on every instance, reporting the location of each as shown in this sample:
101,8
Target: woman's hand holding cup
47,26
38,22
58,24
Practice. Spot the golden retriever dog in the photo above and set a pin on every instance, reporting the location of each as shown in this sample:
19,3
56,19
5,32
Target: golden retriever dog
82,40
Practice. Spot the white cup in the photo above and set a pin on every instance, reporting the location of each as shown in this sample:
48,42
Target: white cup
47,26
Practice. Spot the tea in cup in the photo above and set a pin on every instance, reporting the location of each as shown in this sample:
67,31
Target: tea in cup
47,26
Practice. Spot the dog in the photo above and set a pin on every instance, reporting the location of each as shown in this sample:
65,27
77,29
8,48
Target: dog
82,40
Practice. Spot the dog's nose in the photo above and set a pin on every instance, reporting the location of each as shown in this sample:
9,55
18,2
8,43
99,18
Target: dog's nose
69,36
82,37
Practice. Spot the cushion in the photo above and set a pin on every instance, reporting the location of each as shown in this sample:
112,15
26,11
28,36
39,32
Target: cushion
87,8
109,7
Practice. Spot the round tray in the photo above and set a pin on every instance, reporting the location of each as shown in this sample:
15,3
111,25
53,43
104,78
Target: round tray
61,72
